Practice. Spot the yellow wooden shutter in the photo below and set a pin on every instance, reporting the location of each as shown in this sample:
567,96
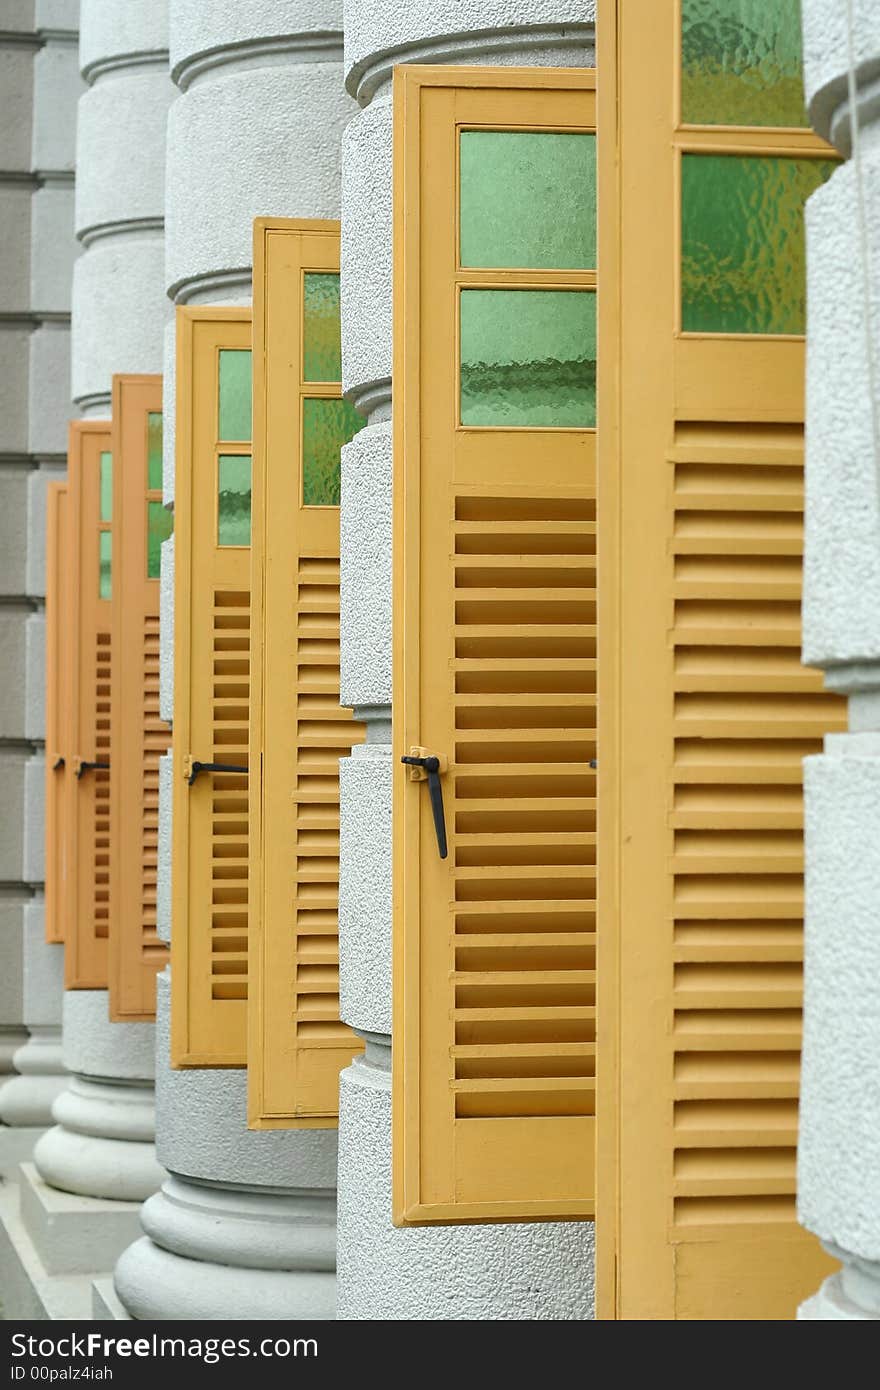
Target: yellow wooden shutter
211,687
59,616
138,735
706,712
494,628
297,1044
90,474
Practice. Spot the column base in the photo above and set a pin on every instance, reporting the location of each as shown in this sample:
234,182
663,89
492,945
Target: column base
26,1099
155,1285
214,1252
102,1146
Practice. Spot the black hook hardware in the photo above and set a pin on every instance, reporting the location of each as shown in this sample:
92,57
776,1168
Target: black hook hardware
435,791
58,763
196,768
87,767
594,762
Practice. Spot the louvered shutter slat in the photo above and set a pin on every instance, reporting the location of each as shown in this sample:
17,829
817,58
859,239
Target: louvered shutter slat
212,691
495,670
59,621
703,699
139,736
87,830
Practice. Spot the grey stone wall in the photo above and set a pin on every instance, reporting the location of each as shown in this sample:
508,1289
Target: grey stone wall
39,86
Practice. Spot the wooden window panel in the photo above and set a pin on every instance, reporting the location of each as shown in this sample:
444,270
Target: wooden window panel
494,652
211,699
705,716
88,823
297,1044
138,735
59,648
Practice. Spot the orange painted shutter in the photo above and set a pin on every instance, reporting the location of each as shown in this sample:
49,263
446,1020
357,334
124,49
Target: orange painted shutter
89,464
211,687
494,648
138,735
59,591
297,1044
706,712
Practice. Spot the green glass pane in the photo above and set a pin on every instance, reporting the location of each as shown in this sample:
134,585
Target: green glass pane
528,199
741,63
528,357
742,253
154,450
322,345
105,564
235,394
106,487
327,425
234,500
160,524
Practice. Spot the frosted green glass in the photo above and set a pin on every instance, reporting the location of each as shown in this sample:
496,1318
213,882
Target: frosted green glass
741,63
322,342
528,358
234,416
742,255
105,564
154,450
106,486
327,425
234,500
160,524
528,199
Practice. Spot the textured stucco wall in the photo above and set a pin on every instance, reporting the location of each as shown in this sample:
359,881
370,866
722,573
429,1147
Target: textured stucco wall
119,309
94,1046
365,888
500,32
839,1156
365,568
842,553
829,45
259,34
201,1128
224,170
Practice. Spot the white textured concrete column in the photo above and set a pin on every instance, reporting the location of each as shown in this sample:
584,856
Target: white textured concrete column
244,1227
839,1148
38,253
476,1272
102,1144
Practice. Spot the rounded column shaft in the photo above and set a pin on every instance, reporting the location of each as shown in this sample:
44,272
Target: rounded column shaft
453,1272
245,1225
102,1143
839,1137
